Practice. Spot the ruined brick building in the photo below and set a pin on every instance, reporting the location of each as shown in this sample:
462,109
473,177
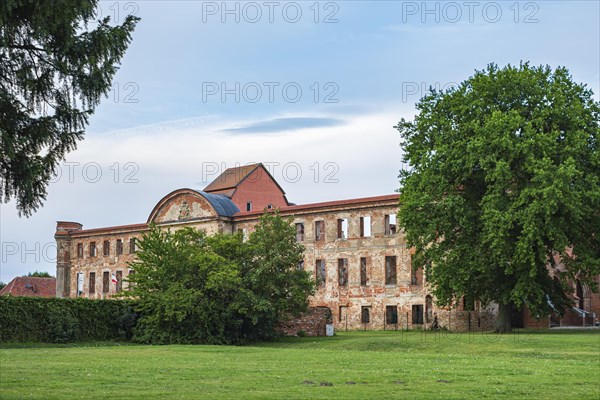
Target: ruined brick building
353,247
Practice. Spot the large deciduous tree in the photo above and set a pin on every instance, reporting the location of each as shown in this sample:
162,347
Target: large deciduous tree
194,288
502,192
54,69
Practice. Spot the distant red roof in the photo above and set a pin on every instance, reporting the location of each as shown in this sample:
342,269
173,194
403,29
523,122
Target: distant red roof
30,287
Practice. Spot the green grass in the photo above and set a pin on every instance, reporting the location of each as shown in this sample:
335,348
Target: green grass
382,365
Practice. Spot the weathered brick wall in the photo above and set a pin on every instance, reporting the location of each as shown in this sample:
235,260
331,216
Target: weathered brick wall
260,189
100,263
347,301
311,323
73,262
466,321
571,318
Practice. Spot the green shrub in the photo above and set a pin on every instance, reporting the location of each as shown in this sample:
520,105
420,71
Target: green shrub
29,319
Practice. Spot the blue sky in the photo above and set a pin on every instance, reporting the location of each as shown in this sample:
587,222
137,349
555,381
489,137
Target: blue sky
313,94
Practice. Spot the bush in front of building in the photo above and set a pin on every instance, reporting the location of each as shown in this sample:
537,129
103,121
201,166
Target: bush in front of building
56,320
221,289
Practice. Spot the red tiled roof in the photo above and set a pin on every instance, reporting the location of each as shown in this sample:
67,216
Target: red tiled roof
326,204
231,178
111,229
30,287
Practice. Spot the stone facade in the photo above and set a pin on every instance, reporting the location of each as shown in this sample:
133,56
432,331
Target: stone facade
353,248
312,323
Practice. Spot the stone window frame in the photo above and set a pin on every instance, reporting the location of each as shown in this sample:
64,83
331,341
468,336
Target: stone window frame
343,272
105,282
391,314
92,283
389,228
391,279
299,231
320,273
365,314
417,311
362,226
342,229
319,230
364,271
132,245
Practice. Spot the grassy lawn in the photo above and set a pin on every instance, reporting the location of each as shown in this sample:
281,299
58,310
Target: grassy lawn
362,365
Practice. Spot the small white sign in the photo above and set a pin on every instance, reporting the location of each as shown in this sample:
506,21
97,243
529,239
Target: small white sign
329,329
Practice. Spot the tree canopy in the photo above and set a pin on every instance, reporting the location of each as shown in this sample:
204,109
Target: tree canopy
502,192
54,69
194,288
39,274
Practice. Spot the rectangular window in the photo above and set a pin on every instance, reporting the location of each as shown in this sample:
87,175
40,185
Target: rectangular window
79,250
92,249
80,283
319,230
390,224
105,281
300,232
119,281
417,314
391,314
343,271
320,272
106,248
92,283
249,206
342,228
365,315
365,226
119,247
363,271
390,270
132,248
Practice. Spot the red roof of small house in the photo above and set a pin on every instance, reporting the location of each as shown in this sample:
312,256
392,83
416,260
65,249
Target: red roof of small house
30,287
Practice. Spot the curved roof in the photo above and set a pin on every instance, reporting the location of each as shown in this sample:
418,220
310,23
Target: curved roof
222,205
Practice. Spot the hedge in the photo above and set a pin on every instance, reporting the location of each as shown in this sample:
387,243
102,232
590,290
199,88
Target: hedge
56,320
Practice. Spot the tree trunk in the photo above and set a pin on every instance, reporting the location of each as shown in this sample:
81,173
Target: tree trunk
503,324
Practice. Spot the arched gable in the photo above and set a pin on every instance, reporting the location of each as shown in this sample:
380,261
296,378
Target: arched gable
189,205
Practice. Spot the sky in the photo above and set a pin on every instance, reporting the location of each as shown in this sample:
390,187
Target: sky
311,89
